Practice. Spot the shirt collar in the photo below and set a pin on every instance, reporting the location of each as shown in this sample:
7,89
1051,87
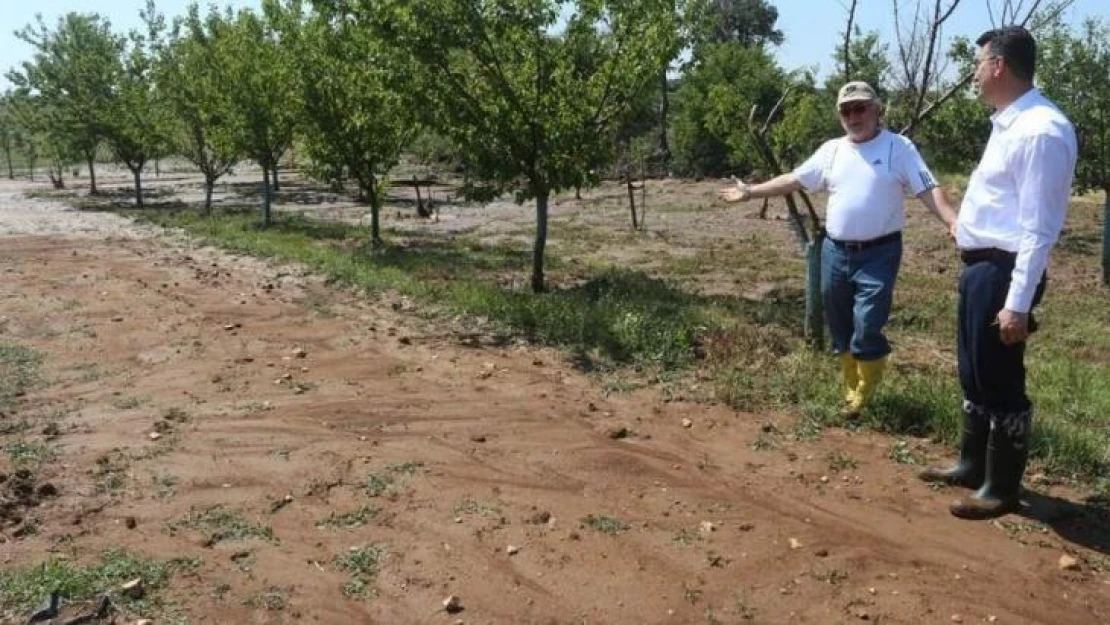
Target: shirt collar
1006,116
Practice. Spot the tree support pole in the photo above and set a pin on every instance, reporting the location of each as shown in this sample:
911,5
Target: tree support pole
815,313
1106,239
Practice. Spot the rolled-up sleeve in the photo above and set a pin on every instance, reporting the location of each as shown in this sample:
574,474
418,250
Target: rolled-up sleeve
1043,169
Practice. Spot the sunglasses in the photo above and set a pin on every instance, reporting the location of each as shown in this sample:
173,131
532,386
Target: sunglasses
849,109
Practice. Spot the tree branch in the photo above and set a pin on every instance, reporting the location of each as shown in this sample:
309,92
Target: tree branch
848,40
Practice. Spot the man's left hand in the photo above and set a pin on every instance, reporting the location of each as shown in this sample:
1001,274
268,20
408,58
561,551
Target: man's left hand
1013,327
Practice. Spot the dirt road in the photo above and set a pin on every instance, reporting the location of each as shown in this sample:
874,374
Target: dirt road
217,407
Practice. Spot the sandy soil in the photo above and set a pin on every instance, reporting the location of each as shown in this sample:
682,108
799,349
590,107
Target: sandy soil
288,401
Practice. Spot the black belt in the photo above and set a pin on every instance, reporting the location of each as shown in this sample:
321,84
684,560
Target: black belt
859,246
993,254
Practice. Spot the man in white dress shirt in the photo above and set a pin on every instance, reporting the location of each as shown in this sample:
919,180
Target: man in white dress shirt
867,173
1010,218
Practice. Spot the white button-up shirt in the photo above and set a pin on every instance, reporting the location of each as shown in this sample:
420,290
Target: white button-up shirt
1018,197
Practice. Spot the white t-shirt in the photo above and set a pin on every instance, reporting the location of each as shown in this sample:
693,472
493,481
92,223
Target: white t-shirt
867,183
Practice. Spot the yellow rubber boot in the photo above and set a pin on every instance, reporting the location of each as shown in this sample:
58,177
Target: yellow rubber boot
850,368
870,374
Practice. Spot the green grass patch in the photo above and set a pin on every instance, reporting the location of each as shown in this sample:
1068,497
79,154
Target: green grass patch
362,563
128,403
348,520
273,599
388,481
19,368
88,372
21,589
29,455
381,483
840,461
165,484
686,537
478,507
406,468
605,524
902,453
219,524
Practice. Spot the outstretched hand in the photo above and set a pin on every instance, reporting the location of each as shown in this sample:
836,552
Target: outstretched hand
740,192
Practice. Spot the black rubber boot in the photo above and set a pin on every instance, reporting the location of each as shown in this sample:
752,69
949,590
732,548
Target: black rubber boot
1007,454
971,468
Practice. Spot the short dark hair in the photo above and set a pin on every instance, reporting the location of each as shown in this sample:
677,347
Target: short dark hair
1014,44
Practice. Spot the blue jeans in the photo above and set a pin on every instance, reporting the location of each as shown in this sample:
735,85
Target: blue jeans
857,287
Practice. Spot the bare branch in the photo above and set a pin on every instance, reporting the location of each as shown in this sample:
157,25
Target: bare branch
768,155
941,100
1053,13
774,111
1032,10
918,53
848,41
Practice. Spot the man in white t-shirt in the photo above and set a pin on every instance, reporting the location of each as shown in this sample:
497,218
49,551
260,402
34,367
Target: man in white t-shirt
867,173
1011,217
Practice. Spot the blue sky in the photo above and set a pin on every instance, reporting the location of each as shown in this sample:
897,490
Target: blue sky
810,27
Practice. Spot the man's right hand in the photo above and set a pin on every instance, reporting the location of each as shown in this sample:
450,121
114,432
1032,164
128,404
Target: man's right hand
739,193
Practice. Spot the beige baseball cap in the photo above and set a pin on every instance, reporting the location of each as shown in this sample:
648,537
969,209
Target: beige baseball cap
856,91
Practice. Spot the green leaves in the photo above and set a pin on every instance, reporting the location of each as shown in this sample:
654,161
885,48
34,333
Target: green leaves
138,126
191,79
1073,72
714,101
71,78
358,112
530,105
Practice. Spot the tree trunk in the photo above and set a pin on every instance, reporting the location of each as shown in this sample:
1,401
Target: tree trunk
420,210
643,194
209,183
138,172
631,198
157,169
8,154
335,181
375,214
32,162
664,108
58,182
1106,237
266,196
274,172
541,242
89,157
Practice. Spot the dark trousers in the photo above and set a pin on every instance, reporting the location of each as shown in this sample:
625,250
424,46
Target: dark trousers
992,374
